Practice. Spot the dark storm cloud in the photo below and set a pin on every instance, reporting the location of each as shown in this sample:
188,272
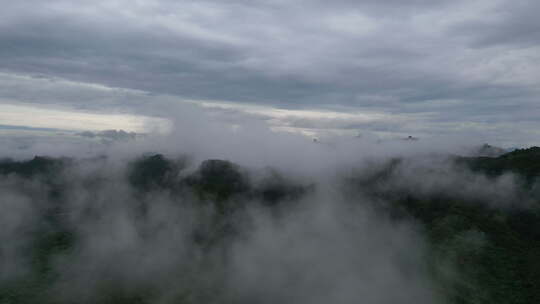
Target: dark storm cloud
455,59
513,23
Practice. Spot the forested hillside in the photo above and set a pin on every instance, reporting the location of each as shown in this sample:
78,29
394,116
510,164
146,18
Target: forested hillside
68,236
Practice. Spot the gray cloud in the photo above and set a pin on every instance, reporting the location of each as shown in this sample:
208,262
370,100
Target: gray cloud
327,246
459,61
513,24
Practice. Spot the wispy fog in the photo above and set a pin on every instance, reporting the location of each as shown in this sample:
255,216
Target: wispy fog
287,220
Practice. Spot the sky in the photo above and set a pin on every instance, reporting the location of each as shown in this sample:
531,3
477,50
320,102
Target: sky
389,69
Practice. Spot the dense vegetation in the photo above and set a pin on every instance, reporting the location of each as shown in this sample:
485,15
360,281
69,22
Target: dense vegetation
479,253
494,251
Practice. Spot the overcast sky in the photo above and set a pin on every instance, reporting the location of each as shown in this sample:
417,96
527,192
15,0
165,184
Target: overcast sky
418,67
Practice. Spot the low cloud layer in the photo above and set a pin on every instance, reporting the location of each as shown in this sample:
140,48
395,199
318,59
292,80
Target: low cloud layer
286,220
